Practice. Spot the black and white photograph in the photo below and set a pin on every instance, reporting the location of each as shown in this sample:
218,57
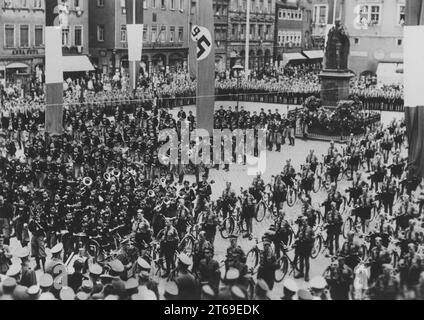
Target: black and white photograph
220,150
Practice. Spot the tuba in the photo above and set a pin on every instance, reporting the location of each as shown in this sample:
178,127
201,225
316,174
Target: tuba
87,181
107,177
151,194
163,183
116,173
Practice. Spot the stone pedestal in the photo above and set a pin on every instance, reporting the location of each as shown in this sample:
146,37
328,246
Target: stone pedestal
335,85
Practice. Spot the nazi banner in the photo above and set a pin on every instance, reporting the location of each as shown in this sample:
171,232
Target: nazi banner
203,38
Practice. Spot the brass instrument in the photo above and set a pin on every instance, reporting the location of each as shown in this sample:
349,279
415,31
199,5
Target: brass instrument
151,194
87,181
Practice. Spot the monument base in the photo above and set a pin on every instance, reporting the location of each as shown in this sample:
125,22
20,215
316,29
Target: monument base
335,85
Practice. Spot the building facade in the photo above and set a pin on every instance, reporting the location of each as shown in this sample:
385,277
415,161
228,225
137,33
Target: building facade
22,25
323,14
165,36
293,22
376,33
261,33
220,8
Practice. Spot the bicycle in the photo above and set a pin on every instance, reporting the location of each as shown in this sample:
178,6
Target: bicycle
233,224
319,242
292,193
285,264
265,205
186,245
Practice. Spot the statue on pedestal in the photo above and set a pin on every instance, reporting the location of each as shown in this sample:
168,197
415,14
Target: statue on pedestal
338,48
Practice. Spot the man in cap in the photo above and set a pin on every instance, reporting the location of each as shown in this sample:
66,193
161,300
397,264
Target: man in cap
188,285
229,279
5,256
143,265
351,251
290,289
171,291
209,269
334,222
14,272
8,286
305,242
28,277
340,279
267,263
378,256
169,244
235,253
387,285
55,264
38,249
46,282
200,245
75,280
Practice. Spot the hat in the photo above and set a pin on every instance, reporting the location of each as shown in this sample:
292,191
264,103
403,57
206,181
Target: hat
304,295
318,283
112,297
9,283
87,286
184,259
117,266
171,289
23,253
57,248
14,270
144,275
263,285
67,294
20,293
237,293
143,264
95,269
82,296
232,274
291,285
33,290
131,284
208,291
47,296
46,281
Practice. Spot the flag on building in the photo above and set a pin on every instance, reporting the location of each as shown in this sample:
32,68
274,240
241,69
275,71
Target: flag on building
413,88
203,35
134,12
55,13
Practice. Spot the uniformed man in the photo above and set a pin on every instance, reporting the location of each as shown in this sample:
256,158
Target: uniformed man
28,277
235,254
351,251
267,264
199,249
304,245
209,269
188,286
37,241
334,223
378,257
169,244
5,256
171,291
386,286
55,265
340,280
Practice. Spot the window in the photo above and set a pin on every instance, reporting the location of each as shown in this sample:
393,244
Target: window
65,37
154,34
123,8
356,40
24,36
100,3
153,4
173,4
9,36
38,36
154,17
180,34
162,36
172,34
101,33
234,29
182,5
370,14
24,3
78,36
163,4
401,14
77,3
145,38
37,4
399,42
320,14
123,34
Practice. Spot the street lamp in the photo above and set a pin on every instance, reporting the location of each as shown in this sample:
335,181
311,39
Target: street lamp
237,72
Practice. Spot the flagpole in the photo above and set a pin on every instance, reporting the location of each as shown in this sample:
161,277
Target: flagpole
246,61
334,12
134,62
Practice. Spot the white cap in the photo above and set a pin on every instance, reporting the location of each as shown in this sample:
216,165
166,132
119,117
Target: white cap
291,285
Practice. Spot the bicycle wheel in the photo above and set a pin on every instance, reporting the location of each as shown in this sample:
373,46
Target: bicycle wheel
395,259
281,272
291,197
200,217
317,184
347,226
316,250
186,245
364,252
260,212
227,228
252,260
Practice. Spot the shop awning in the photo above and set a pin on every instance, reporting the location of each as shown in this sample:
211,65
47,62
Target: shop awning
77,64
293,56
314,54
17,65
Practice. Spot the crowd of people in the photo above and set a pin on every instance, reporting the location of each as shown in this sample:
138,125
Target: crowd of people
115,216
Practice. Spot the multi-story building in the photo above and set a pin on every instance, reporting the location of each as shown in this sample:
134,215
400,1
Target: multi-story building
220,8
22,24
376,34
292,31
261,33
165,36
323,14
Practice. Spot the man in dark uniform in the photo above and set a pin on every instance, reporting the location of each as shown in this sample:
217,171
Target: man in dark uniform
267,264
378,257
304,246
169,244
37,241
351,251
28,277
188,286
340,279
334,222
209,269
235,254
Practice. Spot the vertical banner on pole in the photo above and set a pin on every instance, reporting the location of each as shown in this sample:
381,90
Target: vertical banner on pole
203,35
54,67
192,47
135,11
414,100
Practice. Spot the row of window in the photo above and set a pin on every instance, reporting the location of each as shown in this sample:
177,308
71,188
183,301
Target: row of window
21,36
290,38
36,4
369,14
290,14
153,4
156,34
258,6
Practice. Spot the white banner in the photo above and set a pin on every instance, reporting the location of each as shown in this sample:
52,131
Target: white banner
135,41
413,53
54,60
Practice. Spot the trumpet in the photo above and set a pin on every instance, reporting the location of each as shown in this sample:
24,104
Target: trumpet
107,177
151,193
163,182
87,181
116,173
132,172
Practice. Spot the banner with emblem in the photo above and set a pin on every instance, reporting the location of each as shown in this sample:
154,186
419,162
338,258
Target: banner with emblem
414,99
56,16
203,35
